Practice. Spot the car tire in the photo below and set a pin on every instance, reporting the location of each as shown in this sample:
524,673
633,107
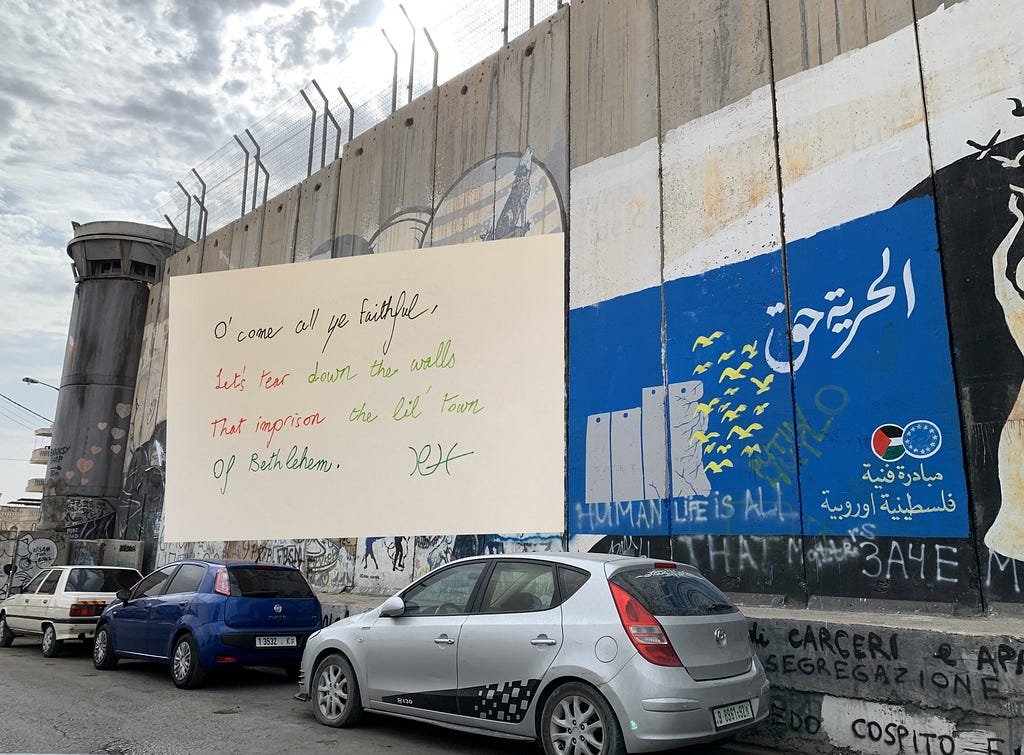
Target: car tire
52,647
577,719
103,657
6,635
185,669
335,692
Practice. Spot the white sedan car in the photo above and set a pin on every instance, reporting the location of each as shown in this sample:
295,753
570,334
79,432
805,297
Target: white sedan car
62,603
591,654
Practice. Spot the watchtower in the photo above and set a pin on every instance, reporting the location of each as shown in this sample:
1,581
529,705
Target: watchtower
114,264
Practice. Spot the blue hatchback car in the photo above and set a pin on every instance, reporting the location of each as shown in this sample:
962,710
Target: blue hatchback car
197,615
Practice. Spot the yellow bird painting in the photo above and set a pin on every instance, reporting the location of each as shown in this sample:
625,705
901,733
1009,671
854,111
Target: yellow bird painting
698,435
705,409
726,356
746,432
718,466
735,373
759,409
750,350
731,391
734,414
762,385
700,369
725,449
707,340
751,450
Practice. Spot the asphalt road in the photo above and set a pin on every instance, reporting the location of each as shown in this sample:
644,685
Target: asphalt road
64,705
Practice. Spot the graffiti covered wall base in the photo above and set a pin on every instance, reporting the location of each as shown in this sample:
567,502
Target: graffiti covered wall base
890,683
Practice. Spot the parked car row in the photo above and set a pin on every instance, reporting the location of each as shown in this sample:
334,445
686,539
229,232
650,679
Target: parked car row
587,653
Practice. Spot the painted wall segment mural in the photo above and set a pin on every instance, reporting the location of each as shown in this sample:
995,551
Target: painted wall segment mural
611,363
878,451
972,60
871,340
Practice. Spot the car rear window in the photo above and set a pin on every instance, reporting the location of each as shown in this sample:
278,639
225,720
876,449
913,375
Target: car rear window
264,582
669,592
101,580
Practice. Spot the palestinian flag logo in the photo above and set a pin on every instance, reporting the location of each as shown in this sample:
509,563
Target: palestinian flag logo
887,442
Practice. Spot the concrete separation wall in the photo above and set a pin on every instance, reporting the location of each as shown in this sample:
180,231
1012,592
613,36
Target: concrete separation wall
794,330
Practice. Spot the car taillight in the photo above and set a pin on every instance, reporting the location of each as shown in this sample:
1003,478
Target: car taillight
84,608
664,565
644,630
223,583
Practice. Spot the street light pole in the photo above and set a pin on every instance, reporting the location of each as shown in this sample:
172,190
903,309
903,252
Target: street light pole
33,381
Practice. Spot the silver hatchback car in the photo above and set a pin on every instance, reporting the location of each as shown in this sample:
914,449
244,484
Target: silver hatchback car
590,653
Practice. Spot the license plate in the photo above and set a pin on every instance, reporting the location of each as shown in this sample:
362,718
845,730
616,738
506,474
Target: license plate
736,713
277,641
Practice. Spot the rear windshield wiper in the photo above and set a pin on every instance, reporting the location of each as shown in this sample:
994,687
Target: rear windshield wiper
719,607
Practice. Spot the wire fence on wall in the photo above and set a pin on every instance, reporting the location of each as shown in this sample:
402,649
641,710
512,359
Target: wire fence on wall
309,130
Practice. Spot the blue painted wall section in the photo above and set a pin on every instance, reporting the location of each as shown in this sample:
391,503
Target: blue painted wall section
877,380
614,353
869,418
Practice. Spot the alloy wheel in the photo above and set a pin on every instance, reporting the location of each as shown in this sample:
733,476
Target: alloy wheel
332,691
577,727
182,661
99,647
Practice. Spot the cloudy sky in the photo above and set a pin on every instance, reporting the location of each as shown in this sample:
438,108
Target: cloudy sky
104,104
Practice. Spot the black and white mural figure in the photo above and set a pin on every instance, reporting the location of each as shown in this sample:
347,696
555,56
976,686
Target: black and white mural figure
1006,536
980,207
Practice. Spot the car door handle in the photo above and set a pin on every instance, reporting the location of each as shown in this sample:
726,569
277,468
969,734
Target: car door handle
182,604
542,640
444,640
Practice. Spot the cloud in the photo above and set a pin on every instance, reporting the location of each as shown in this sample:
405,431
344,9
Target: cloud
106,103
297,37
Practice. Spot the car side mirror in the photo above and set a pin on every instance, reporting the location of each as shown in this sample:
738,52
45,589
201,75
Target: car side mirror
124,595
393,606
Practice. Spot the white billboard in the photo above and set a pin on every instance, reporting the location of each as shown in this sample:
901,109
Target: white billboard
405,393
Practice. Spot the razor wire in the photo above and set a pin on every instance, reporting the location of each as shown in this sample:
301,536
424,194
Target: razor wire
301,135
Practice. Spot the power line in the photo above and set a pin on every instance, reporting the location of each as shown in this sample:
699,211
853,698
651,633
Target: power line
16,420
25,408
21,419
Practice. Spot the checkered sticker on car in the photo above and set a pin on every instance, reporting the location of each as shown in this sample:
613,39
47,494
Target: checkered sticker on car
504,701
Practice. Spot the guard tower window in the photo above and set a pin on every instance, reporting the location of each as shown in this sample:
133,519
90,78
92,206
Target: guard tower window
105,267
142,270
